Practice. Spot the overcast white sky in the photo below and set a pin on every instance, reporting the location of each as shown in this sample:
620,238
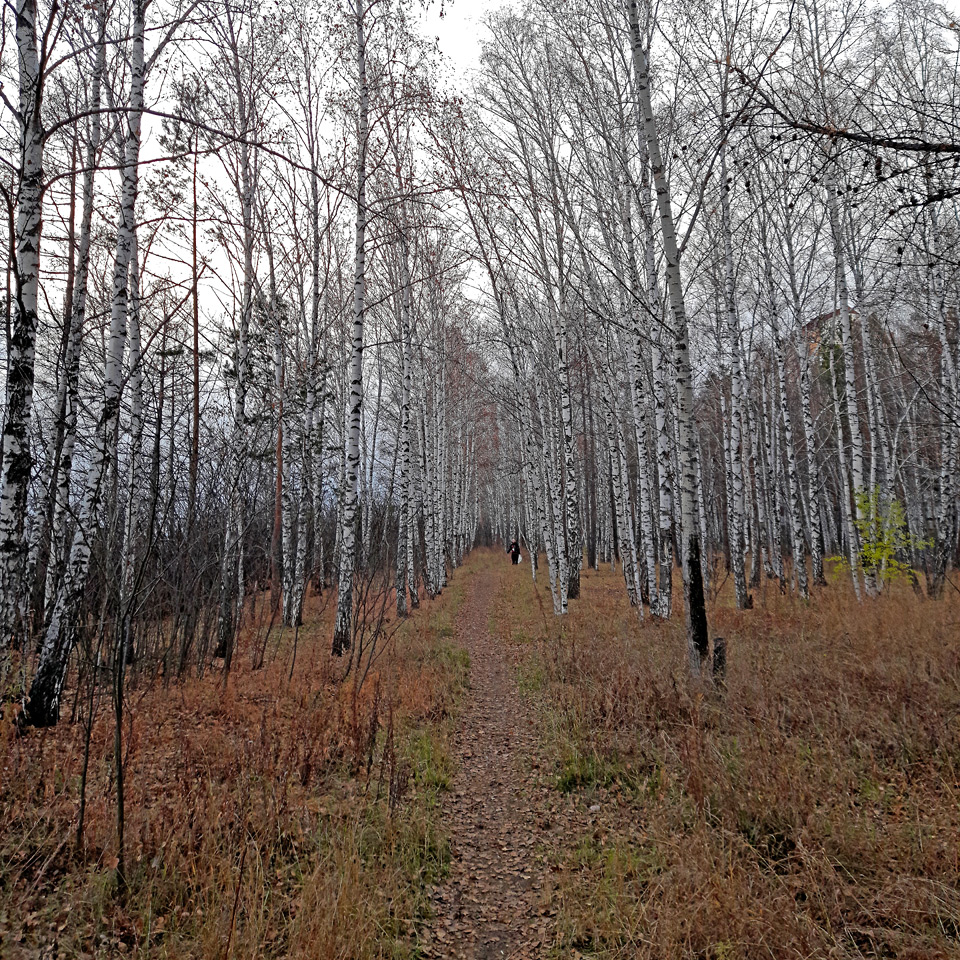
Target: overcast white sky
458,30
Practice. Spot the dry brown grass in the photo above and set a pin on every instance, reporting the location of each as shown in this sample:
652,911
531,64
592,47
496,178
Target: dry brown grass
814,811
271,816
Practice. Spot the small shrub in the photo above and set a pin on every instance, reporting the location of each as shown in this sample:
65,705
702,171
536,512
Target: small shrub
884,541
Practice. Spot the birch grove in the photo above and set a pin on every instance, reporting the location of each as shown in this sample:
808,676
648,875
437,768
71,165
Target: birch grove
291,320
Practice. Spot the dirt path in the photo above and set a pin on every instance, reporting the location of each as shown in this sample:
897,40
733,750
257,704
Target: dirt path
495,901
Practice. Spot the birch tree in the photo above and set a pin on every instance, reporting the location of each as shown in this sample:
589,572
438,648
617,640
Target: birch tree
43,707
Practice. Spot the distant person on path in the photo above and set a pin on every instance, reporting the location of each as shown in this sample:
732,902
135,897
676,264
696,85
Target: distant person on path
514,551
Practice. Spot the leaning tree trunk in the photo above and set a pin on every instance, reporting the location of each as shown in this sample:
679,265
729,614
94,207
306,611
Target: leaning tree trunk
47,481
43,707
69,400
695,608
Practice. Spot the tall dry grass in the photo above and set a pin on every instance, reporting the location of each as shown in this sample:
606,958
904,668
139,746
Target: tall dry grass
812,811
278,814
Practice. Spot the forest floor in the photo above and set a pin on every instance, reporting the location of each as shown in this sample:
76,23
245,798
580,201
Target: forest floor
812,810
507,784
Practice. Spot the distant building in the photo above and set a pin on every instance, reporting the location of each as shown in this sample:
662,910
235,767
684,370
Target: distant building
813,330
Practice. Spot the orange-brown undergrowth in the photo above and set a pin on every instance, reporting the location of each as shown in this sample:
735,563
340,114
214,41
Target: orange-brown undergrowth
813,810
269,814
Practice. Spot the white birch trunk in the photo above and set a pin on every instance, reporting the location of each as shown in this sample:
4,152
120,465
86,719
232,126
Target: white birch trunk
659,361
318,454
806,387
137,520
774,508
573,553
404,562
736,494
69,403
443,470
43,708
427,466
949,416
304,448
639,410
850,531
555,497
290,500
857,473
232,576
21,348
623,510
343,628
793,473
695,608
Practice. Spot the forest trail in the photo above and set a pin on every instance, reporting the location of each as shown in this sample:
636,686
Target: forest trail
494,902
